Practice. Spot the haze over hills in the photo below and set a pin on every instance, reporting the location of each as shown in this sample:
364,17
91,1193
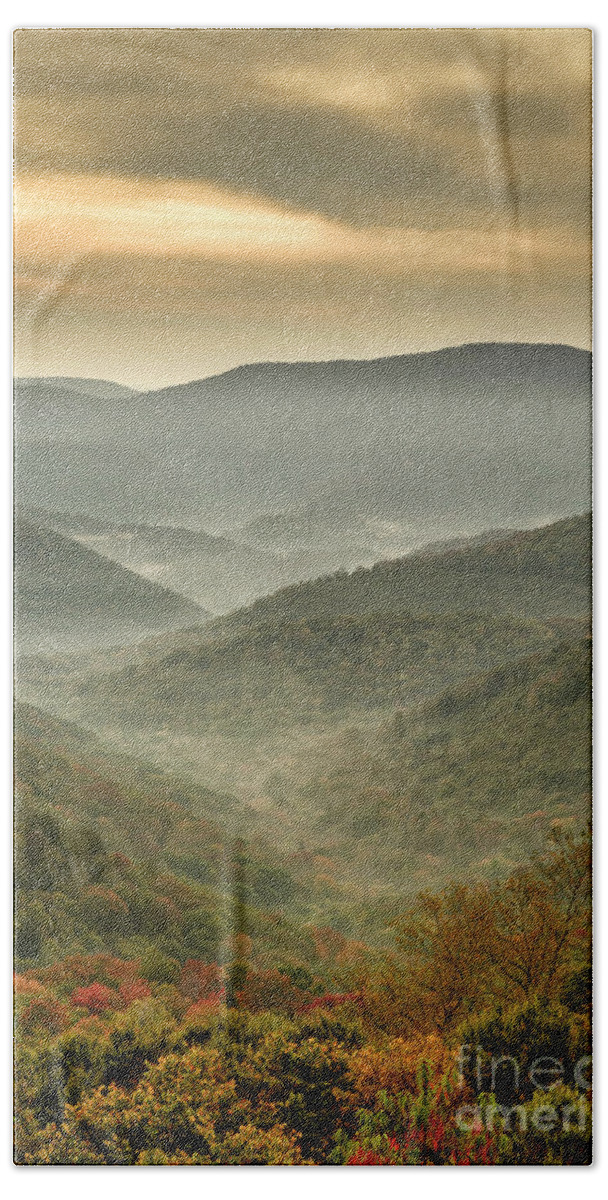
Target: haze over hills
69,597
99,785
308,672
253,695
457,783
402,747
222,573
374,648
444,790
535,573
446,443
213,571
112,854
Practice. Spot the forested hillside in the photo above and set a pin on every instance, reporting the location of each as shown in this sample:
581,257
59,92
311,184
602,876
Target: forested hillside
534,573
114,856
69,597
307,672
459,785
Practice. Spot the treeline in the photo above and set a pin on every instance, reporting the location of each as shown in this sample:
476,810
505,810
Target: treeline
532,573
361,1058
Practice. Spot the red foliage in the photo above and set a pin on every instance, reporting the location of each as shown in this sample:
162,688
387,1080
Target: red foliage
82,969
434,1143
203,1007
136,989
200,980
97,998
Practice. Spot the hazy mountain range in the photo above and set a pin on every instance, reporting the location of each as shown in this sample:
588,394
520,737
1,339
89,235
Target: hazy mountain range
225,489
483,435
346,604
69,597
258,703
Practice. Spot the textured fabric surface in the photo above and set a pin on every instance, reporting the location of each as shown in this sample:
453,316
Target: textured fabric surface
302,596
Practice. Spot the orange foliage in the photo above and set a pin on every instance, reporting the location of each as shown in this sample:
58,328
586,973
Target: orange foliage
97,998
393,1065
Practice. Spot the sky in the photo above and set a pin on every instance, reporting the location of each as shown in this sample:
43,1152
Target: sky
190,200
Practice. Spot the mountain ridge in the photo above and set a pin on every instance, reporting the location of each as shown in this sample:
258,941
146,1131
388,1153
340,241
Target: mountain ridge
78,382
508,552
367,437
69,595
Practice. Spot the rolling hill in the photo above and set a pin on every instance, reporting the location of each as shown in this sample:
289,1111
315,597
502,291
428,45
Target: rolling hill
247,698
113,856
537,573
452,440
304,673
467,783
73,769
224,573
69,597
214,572
385,730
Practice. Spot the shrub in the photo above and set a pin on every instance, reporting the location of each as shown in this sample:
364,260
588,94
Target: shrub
553,1128
420,1127
521,1045
97,998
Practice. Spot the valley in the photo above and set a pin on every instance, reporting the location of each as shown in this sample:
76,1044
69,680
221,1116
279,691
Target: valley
376,728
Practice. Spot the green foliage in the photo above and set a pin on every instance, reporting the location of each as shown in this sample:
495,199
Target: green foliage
512,1052
471,780
77,811
553,1128
276,675
158,967
82,1057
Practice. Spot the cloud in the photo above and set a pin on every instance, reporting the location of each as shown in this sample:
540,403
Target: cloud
65,217
319,191
362,125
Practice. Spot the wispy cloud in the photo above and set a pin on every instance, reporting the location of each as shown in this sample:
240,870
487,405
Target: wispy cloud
298,192
61,217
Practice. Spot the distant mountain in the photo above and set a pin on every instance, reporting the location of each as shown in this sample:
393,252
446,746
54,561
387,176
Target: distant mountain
98,389
451,441
66,411
69,597
538,573
222,573
213,571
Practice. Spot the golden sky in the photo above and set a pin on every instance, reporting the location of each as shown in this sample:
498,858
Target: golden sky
187,200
